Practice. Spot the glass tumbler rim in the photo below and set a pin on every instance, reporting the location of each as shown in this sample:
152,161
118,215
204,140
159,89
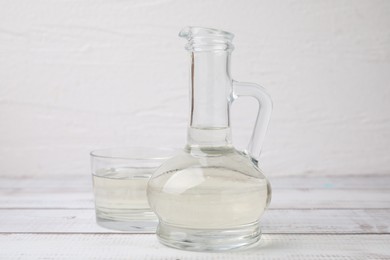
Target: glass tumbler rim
138,153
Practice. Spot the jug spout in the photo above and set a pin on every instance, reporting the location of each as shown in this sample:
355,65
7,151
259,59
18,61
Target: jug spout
185,32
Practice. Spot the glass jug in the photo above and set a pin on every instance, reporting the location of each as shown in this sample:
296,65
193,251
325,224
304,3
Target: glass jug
211,196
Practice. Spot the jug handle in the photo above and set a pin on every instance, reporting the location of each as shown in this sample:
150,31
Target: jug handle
263,114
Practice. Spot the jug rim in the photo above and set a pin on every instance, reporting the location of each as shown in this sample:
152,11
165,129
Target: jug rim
134,153
190,32
201,39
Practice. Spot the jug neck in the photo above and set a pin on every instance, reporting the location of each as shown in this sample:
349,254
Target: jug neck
210,86
210,93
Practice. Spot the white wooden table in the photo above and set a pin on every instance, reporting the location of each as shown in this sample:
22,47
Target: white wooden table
309,218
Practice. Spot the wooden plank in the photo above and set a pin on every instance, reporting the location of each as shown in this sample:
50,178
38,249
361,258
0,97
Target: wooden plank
54,198
66,182
52,221
125,246
82,182
273,221
281,199
331,182
335,198
76,192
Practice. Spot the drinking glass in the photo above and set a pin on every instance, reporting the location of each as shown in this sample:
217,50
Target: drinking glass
120,177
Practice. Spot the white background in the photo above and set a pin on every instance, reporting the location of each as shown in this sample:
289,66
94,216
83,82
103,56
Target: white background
77,75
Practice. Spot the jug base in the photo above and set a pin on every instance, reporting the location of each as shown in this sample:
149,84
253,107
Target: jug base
191,239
